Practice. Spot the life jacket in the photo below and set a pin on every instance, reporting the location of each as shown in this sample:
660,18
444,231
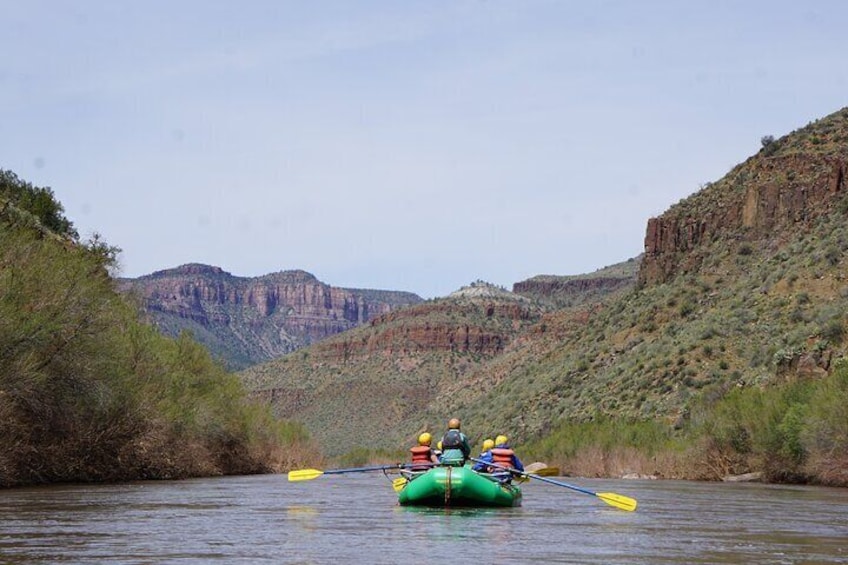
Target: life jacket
421,457
503,456
452,440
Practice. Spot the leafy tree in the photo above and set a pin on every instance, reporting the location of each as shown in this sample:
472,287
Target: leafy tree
39,202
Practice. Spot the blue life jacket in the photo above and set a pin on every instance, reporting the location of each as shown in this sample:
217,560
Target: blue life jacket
486,457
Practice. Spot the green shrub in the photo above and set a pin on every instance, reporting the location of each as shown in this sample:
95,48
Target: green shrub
89,393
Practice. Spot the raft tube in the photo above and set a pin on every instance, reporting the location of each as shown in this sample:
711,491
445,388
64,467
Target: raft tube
458,487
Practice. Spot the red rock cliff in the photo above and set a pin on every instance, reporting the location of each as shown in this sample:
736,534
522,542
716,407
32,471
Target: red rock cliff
278,312
755,201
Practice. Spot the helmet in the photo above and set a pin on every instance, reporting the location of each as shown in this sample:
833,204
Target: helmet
425,439
501,440
439,445
488,444
453,424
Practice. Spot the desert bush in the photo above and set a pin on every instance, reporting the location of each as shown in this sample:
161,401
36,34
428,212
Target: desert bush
824,434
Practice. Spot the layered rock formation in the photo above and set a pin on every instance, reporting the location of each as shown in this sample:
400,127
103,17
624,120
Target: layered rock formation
248,320
791,181
566,291
482,328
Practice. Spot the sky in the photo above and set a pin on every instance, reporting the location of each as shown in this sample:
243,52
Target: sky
401,145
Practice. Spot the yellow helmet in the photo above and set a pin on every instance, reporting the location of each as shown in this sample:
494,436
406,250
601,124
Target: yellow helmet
500,440
439,445
425,439
488,444
453,424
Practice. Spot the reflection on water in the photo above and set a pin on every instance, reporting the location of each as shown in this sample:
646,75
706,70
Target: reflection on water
464,523
356,519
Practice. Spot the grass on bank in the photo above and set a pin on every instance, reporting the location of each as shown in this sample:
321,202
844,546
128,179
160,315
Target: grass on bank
796,431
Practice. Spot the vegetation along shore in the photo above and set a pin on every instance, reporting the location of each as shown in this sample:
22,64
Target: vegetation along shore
88,390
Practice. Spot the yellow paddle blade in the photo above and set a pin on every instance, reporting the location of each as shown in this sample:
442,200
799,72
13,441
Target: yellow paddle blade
534,467
542,469
305,474
399,483
618,500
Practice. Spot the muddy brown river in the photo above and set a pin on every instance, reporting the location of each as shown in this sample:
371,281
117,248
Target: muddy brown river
355,519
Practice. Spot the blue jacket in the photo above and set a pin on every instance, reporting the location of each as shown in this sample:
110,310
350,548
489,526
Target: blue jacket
485,456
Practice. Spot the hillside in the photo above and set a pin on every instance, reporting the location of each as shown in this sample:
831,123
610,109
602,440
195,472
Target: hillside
373,382
377,384
247,320
742,284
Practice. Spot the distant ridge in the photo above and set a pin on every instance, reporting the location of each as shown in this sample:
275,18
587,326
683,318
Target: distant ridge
482,289
247,320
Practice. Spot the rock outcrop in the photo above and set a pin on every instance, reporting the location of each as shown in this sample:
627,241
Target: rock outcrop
791,182
578,290
248,320
467,326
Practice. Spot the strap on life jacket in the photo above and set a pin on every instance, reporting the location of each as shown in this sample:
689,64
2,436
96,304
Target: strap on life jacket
420,454
502,456
452,440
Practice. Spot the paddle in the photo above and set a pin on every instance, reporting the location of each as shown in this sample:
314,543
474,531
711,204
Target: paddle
548,472
611,498
309,474
542,469
399,483
538,467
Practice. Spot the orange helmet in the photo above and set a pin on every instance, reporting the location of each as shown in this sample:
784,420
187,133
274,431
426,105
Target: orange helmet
453,424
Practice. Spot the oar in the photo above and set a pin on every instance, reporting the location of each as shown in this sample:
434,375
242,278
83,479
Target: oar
548,472
611,498
536,467
541,469
309,474
399,483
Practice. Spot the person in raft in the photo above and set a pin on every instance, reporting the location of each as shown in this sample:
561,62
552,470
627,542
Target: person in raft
455,445
423,456
485,455
504,458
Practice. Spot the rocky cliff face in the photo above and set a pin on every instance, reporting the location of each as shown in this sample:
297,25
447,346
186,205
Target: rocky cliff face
248,320
790,182
478,327
567,291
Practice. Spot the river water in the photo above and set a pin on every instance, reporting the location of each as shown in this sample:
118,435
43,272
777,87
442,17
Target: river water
354,518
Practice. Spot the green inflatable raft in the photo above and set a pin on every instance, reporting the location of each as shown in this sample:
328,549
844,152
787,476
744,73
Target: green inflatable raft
457,487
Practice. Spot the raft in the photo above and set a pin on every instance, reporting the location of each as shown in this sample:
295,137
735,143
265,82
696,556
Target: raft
457,487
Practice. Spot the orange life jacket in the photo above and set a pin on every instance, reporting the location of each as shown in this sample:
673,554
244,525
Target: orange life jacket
421,456
502,456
